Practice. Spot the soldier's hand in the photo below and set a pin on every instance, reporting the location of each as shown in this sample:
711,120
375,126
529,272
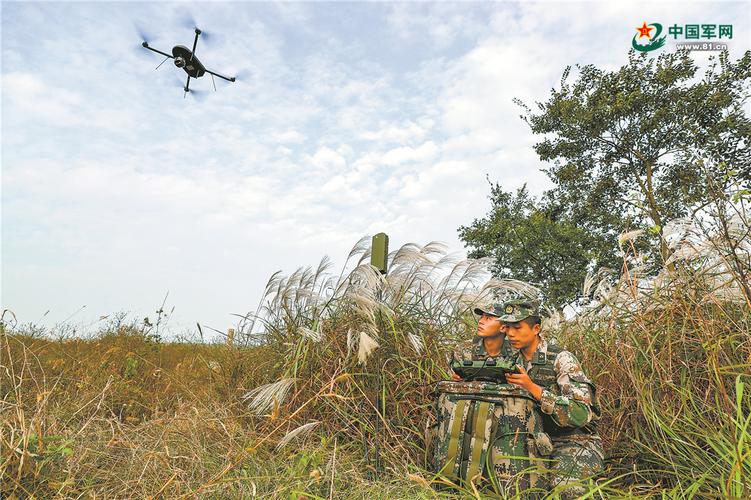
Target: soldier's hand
455,377
522,380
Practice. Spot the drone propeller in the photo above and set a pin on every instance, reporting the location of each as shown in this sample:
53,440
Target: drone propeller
144,35
198,94
146,38
188,21
242,75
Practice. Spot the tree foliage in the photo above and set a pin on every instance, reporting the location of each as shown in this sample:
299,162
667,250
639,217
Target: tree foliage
627,149
528,243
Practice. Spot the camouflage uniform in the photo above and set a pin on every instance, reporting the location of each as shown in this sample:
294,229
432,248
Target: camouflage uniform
570,414
517,426
488,431
570,411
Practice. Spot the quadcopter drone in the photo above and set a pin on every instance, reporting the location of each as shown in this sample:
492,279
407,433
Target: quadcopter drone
186,59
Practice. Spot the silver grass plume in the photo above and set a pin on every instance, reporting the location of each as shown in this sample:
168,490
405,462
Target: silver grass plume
263,398
366,346
629,236
676,231
417,343
693,245
362,246
350,341
552,322
593,280
314,335
296,432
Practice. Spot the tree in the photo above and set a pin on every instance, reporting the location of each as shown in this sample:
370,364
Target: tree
528,243
627,149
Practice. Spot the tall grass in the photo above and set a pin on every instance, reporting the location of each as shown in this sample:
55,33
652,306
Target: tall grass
326,391
673,354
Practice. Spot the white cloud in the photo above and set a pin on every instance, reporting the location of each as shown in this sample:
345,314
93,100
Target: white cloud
290,136
326,159
407,154
440,23
400,134
38,101
116,189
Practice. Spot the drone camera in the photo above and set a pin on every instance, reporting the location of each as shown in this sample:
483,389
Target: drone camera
179,62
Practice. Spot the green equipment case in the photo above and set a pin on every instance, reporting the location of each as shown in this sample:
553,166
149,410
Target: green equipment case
489,434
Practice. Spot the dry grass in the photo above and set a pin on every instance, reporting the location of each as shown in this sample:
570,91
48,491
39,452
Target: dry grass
326,393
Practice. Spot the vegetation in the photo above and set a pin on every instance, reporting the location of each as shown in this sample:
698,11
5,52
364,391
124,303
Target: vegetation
629,149
325,391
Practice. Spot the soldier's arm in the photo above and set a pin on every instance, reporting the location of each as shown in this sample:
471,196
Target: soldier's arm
570,406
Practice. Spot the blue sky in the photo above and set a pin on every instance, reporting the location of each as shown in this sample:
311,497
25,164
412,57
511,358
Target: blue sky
349,119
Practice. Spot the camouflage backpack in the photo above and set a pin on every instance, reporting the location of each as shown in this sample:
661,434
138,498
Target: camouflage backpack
487,432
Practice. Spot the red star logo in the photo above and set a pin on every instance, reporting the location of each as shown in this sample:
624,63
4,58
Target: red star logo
644,30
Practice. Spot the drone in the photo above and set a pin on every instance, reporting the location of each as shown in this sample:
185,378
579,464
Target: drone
186,59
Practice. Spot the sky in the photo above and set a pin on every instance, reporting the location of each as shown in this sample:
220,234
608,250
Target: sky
347,119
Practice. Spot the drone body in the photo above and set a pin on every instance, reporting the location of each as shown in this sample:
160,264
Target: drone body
186,59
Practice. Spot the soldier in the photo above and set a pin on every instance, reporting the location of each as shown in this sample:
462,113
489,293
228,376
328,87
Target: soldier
478,424
490,339
566,397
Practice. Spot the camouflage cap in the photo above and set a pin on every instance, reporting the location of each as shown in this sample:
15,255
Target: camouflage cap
490,310
519,309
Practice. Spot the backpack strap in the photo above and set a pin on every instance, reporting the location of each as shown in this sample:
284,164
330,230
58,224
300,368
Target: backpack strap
480,438
478,348
553,351
456,425
506,349
469,440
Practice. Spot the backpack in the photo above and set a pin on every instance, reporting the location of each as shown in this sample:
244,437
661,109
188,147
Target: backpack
487,433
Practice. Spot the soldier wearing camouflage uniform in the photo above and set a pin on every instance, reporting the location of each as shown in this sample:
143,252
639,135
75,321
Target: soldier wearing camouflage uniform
567,398
490,339
503,432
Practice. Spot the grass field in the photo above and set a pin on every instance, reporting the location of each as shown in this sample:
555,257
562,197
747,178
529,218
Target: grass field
331,399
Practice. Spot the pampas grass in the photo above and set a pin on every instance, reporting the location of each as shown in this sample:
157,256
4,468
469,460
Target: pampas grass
366,346
296,433
264,398
122,415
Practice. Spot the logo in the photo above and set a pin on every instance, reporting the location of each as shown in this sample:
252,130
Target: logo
649,37
652,33
509,309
